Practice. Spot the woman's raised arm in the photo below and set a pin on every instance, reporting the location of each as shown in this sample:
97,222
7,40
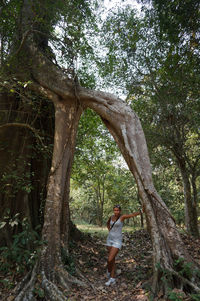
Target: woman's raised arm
125,216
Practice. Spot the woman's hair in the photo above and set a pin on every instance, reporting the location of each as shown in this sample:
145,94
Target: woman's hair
117,206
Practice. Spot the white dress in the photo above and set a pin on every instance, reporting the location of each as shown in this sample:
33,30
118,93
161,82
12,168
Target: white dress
114,238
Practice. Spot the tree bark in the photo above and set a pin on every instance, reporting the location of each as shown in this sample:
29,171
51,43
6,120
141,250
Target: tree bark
56,210
191,219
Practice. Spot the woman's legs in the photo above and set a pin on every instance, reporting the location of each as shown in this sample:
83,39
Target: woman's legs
112,252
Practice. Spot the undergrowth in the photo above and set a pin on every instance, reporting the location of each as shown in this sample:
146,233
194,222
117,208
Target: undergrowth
23,252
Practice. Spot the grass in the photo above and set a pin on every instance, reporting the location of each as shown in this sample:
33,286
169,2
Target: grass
99,231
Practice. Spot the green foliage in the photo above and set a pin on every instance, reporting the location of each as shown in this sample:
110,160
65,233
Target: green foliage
39,292
7,220
166,275
68,28
161,76
175,296
100,179
74,41
23,252
195,297
7,283
68,261
184,269
179,18
167,180
10,11
117,63
17,182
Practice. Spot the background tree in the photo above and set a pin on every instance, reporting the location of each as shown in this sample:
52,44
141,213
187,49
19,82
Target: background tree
100,175
97,170
178,19
26,131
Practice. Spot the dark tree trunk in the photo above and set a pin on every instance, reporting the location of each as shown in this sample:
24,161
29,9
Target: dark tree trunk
191,219
23,174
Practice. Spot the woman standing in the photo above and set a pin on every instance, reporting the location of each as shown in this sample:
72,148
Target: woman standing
114,239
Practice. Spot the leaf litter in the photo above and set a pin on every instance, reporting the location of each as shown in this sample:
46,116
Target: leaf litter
133,268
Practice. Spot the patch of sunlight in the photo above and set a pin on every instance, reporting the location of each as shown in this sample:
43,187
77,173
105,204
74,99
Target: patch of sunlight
100,231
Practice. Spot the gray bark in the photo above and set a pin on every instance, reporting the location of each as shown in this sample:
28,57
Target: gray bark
56,209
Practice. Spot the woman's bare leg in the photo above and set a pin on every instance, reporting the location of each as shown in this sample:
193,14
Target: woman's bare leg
111,260
108,248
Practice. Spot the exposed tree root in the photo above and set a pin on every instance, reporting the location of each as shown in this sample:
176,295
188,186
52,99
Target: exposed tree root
169,278
63,274
86,280
26,292
53,291
186,281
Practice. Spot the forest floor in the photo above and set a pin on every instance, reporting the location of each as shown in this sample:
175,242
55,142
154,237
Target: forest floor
133,264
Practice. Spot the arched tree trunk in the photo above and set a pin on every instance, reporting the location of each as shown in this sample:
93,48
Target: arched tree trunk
126,128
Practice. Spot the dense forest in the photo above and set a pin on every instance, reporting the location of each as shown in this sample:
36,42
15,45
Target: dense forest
99,105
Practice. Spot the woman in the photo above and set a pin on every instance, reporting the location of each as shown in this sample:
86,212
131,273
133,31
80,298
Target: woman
114,239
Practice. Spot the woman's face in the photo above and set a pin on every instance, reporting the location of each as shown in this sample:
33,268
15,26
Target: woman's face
117,211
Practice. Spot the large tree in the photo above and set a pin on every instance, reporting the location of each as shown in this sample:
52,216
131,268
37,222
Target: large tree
30,58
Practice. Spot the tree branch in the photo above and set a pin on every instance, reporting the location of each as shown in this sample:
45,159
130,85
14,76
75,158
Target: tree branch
23,125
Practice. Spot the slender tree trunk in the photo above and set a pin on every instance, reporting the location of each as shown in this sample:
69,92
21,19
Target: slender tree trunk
98,202
194,204
191,220
103,198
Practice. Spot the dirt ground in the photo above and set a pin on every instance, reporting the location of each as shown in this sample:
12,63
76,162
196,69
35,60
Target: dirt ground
133,265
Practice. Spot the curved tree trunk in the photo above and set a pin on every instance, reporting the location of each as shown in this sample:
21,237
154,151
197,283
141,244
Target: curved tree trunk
69,100
126,129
